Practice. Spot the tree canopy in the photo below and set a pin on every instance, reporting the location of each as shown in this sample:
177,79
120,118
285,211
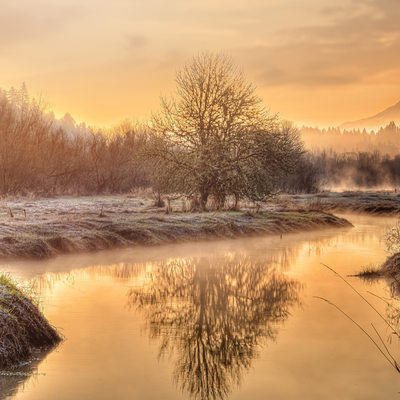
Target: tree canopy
214,138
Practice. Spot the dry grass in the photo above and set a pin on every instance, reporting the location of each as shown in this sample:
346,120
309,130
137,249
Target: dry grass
391,267
392,238
378,203
43,228
378,342
23,328
370,272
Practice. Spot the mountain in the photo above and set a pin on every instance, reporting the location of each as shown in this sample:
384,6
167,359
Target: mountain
381,119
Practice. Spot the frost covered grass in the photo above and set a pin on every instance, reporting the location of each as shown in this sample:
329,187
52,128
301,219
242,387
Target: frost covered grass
23,328
378,202
42,228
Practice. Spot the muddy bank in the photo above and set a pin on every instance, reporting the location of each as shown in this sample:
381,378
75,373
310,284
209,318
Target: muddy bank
47,228
23,328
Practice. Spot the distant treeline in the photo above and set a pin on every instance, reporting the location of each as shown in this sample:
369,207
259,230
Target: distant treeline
345,171
386,140
42,155
45,156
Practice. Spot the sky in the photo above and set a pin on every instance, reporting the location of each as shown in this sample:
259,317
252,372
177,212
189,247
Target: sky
314,62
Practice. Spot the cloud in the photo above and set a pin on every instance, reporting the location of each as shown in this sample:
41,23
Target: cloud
22,21
137,41
349,48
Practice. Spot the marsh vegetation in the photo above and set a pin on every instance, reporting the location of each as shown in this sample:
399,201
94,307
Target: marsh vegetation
23,328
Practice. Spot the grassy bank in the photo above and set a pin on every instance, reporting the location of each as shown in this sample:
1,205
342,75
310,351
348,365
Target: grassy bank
23,328
377,203
48,227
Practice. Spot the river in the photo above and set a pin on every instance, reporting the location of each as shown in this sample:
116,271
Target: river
228,319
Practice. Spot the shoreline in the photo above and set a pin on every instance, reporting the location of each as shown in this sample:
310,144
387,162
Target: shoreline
359,202
46,233
24,329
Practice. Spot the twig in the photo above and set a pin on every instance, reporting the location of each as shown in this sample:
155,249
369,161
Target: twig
386,301
384,345
394,365
356,291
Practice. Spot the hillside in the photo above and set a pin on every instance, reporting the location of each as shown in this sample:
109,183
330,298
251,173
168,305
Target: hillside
381,119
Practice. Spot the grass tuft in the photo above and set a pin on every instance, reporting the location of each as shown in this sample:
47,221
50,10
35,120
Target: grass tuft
23,328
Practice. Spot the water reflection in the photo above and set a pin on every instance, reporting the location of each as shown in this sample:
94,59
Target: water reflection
275,251
13,379
211,315
211,309
50,280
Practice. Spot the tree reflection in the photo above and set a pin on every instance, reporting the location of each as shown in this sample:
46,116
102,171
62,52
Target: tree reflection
212,315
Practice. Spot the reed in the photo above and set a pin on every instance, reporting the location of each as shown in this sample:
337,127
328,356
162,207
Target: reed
379,344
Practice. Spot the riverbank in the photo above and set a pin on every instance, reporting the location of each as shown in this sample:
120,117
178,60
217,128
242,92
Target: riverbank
23,328
44,228
368,202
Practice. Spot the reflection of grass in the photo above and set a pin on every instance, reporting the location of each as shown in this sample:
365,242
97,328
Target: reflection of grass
370,272
13,378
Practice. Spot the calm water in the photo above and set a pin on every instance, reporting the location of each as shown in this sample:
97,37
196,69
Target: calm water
231,319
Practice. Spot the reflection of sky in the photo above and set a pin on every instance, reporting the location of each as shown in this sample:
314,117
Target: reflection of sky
103,61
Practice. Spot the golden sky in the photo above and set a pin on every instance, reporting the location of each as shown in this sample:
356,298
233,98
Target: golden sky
313,61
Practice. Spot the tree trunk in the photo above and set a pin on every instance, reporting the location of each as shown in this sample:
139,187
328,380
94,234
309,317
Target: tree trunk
203,200
236,206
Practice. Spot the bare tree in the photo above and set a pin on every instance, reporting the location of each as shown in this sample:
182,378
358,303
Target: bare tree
217,135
